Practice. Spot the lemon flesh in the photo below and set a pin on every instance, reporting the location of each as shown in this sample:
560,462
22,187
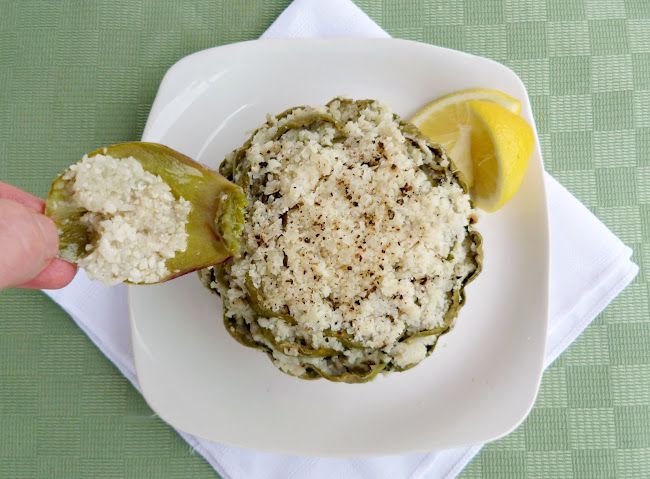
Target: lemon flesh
497,96
501,145
488,141
448,121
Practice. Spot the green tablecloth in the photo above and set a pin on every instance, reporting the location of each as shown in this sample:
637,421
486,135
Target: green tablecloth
78,74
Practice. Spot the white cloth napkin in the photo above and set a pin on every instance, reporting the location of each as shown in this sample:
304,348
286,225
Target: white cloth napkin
589,268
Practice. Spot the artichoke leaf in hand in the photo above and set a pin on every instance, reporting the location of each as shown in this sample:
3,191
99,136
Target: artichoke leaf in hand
214,222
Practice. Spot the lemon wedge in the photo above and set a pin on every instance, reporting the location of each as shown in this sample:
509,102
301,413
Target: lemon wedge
501,144
488,141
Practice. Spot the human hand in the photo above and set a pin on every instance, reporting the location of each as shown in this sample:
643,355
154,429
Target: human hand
29,244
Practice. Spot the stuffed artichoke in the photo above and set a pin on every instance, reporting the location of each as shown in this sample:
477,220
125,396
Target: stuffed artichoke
357,243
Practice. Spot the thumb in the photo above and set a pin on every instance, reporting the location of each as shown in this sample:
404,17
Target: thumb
28,242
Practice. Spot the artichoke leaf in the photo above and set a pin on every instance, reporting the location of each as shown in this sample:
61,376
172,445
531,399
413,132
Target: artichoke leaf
302,349
351,377
214,223
256,302
344,338
237,168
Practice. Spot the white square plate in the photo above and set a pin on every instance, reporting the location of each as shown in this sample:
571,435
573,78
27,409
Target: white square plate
483,377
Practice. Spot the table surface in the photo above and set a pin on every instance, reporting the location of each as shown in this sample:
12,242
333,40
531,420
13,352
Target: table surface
75,75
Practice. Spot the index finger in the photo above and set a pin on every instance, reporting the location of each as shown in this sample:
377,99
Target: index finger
10,192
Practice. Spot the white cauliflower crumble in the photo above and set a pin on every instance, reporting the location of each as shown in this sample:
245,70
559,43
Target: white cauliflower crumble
349,237
136,224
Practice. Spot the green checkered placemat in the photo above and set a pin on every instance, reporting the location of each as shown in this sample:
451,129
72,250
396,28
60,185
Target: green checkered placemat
77,74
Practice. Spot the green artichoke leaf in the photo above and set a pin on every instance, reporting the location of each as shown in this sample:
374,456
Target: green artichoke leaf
351,377
302,349
236,168
426,332
215,221
241,332
256,302
344,338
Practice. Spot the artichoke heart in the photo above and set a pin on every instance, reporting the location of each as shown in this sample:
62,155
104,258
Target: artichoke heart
357,244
